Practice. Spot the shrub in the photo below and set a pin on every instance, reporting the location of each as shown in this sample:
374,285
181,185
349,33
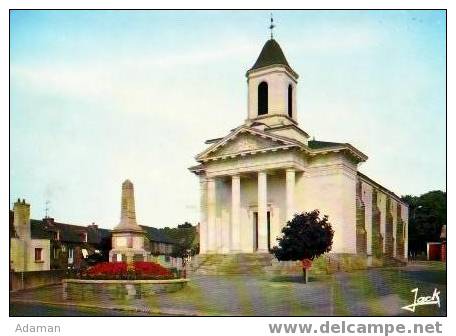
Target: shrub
305,237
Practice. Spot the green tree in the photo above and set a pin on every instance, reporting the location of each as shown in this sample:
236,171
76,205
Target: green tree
427,215
306,236
186,239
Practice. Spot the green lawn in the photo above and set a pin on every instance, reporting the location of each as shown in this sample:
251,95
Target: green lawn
381,291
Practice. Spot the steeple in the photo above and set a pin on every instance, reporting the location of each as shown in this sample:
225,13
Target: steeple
271,54
272,87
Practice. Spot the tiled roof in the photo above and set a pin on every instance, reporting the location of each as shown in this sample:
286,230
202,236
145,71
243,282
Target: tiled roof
42,229
38,231
47,228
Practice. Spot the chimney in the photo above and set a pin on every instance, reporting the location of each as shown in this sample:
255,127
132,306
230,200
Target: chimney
92,226
21,211
48,221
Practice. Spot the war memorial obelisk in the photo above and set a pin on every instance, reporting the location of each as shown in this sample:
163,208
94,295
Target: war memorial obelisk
128,237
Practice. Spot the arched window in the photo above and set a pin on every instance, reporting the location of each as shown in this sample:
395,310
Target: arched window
290,101
263,98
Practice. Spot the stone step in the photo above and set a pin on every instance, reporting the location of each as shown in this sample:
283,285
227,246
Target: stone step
249,263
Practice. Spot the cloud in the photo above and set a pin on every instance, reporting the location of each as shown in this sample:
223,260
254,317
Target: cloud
96,78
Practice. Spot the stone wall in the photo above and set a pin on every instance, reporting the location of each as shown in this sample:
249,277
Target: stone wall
33,279
96,290
386,218
389,240
361,233
377,238
399,233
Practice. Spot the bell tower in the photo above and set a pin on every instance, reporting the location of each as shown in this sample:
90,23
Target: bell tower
272,87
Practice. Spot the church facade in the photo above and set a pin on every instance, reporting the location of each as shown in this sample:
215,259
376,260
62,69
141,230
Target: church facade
254,179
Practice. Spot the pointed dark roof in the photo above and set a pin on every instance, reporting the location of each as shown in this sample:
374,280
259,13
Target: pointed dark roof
271,54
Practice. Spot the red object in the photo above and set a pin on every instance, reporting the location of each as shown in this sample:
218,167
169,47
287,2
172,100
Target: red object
150,268
140,268
443,252
306,263
434,251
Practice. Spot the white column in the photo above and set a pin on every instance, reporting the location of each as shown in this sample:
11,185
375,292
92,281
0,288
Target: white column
235,213
262,213
211,203
203,234
290,189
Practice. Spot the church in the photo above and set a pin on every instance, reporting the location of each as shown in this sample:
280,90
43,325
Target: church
254,179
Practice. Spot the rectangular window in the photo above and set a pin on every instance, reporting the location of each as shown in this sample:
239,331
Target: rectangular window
70,255
38,254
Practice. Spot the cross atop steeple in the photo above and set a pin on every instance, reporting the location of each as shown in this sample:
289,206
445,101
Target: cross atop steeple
272,26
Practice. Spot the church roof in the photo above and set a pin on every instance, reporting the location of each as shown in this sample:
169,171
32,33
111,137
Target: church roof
319,146
281,142
271,54
315,144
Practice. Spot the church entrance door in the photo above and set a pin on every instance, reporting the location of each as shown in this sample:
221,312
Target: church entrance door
255,230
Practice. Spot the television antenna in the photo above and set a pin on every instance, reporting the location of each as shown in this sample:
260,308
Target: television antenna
47,208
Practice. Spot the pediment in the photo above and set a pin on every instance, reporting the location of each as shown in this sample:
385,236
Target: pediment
245,140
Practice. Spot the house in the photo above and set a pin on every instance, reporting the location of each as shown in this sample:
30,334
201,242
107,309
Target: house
28,252
39,245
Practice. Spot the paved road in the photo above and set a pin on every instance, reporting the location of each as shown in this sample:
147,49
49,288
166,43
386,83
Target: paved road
375,292
33,309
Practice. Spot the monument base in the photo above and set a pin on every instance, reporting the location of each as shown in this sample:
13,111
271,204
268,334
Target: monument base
128,255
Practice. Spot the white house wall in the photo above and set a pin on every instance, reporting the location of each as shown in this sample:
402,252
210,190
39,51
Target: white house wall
332,190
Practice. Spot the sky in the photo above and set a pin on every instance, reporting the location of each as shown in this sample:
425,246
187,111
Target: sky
97,97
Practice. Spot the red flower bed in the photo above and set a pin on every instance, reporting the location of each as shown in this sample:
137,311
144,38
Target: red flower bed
122,270
150,268
108,268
